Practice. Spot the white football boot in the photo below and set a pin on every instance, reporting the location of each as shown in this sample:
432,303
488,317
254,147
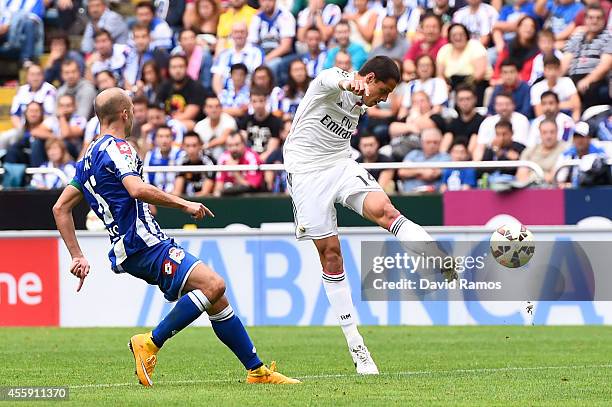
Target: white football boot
363,360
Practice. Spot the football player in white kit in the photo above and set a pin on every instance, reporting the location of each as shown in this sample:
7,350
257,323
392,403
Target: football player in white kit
321,173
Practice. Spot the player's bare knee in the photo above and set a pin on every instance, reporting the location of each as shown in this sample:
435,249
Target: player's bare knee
215,288
332,261
389,212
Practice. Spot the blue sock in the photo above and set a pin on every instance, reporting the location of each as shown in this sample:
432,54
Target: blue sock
231,332
188,308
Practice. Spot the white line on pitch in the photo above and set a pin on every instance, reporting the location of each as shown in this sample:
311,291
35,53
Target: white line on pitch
344,375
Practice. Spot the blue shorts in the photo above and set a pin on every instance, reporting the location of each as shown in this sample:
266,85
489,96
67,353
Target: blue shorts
166,265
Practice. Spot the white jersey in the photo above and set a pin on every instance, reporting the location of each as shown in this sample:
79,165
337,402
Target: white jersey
323,124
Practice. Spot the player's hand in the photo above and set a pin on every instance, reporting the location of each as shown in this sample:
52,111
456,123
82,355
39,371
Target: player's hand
358,87
197,210
80,268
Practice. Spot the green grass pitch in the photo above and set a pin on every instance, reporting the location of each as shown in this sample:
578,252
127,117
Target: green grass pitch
498,365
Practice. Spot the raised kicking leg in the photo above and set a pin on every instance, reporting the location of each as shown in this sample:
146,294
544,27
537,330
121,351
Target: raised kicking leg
377,207
204,293
338,292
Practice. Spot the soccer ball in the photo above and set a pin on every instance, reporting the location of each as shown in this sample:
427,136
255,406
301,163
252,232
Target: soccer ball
512,245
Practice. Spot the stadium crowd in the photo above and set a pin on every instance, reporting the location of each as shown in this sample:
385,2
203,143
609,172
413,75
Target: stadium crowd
218,82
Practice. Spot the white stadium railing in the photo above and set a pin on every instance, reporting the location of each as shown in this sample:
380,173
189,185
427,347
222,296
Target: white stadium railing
55,171
535,168
572,163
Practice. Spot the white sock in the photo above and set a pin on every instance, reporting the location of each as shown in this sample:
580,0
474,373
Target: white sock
338,293
414,238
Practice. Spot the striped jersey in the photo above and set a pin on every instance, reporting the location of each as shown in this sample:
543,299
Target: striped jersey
99,176
163,180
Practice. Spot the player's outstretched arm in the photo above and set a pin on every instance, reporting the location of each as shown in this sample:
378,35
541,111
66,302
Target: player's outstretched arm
142,191
62,212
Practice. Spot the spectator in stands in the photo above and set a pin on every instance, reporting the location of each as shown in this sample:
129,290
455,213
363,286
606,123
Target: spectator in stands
368,147
238,182
199,58
181,96
108,57
235,96
58,158
240,52
580,148
510,15
197,183
68,11
263,78
463,128
407,17
522,50
546,46
160,31
141,108
424,179
214,129
479,18
203,16
546,153
432,41
341,36
295,89
362,23
458,179
261,127
464,60
75,85
343,61
588,59
172,12
150,81
445,11
156,118
580,20
320,16
21,29
67,125
415,119
142,52
562,86
503,147
510,82
60,51
314,57
276,181
561,14
550,110
163,153
273,30
392,46
435,87
35,90
239,12
102,18
504,109
29,147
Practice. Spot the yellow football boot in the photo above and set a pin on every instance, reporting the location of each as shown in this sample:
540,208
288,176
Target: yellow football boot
145,357
269,375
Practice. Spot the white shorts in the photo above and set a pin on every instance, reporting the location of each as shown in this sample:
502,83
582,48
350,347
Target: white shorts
315,193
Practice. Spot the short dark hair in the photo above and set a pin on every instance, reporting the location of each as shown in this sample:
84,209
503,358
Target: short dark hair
163,127
551,60
147,4
184,30
70,61
509,62
550,93
211,97
313,28
343,22
546,32
465,87
141,27
595,7
463,28
503,123
505,94
192,134
178,56
239,67
458,142
383,67
140,100
60,36
102,32
431,15
258,91
156,106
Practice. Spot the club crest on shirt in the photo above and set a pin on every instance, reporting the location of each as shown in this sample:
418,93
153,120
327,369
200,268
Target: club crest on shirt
124,148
